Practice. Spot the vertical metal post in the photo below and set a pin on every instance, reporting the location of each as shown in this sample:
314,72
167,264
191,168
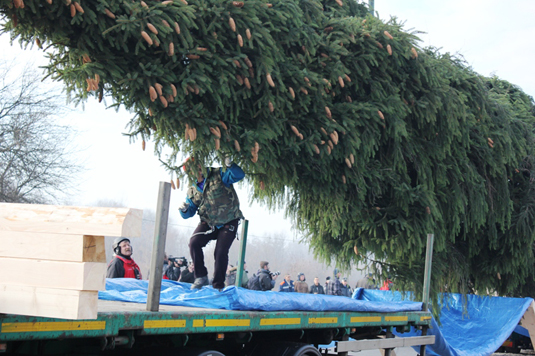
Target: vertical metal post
389,335
371,6
422,347
241,257
427,282
158,247
427,272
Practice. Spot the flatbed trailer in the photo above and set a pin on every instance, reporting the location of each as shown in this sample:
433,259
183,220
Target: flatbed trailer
146,329
127,328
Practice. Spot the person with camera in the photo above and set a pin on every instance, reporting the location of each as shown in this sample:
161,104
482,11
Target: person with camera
264,279
165,265
187,275
122,265
175,264
214,199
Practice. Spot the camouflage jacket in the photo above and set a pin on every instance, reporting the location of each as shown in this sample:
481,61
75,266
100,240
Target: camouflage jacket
217,203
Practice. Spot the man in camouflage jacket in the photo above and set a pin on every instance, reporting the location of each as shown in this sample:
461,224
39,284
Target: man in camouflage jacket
214,199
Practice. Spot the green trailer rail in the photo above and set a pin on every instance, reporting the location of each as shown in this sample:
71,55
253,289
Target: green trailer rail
117,316
128,326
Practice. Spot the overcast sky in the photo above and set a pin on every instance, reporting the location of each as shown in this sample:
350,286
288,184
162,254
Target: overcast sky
495,37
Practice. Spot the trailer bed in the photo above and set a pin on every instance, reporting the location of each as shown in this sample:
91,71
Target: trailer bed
115,316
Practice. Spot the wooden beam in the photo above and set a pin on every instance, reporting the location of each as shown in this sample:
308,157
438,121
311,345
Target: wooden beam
53,274
528,321
47,246
48,302
123,222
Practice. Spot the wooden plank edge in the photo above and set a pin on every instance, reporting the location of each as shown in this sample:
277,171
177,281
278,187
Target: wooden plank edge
52,247
96,221
53,274
48,302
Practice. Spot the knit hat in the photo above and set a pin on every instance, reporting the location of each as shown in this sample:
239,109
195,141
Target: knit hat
336,271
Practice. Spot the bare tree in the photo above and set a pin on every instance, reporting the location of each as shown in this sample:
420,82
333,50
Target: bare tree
36,157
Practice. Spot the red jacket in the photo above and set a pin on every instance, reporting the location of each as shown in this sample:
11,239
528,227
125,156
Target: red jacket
121,267
387,285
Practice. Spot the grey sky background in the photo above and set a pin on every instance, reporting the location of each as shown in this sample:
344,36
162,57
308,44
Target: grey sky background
495,37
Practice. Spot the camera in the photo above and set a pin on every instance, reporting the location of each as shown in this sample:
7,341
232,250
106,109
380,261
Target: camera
275,274
182,261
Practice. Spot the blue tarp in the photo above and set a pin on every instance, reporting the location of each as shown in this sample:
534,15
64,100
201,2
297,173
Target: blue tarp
484,327
487,323
522,331
232,298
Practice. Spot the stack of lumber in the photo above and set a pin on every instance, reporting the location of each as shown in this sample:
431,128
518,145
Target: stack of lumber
53,258
528,322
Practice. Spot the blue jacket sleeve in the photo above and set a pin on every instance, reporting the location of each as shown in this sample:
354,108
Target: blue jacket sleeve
192,210
232,175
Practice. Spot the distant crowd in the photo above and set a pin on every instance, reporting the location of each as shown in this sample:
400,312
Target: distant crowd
178,269
265,280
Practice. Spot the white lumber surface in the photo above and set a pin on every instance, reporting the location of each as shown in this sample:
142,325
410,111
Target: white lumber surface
122,222
53,274
48,246
528,321
48,302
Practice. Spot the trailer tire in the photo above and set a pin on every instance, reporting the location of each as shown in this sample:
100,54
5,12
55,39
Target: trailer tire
285,349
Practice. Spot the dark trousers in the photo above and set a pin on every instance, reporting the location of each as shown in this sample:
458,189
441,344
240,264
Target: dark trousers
224,238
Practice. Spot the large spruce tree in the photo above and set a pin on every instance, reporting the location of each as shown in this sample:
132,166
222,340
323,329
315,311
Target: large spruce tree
368,140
